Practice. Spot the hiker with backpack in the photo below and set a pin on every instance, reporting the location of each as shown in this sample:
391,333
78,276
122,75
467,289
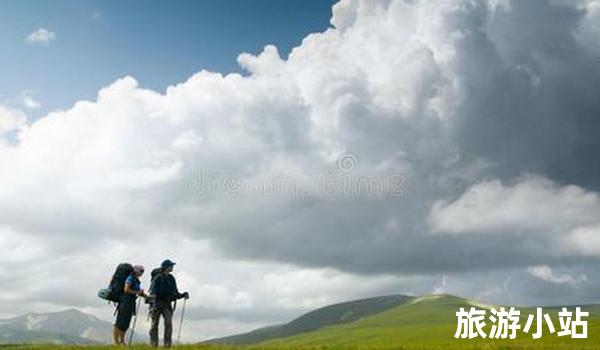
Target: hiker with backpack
163,293
126,302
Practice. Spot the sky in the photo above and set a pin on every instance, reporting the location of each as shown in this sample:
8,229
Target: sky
289,157
158,42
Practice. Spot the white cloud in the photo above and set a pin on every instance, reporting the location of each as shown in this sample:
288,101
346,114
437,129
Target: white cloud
11,120
29,101
533,204
441,287
584,241
545,273
41,36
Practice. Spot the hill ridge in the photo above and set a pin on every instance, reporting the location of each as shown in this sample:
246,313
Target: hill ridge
337,313
428,319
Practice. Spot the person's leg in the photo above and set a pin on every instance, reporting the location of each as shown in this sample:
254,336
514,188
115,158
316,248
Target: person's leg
128,311
115,335
121,323
122,337
155,315
124,315
168,314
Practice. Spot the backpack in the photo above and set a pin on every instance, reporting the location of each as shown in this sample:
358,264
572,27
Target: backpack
155,272
117,283
161,285
153,276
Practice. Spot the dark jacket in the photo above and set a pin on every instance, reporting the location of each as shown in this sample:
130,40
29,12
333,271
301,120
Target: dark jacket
164,287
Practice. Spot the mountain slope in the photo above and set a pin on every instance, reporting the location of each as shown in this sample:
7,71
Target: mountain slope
12,336
326,316
430,321
425,322
65,327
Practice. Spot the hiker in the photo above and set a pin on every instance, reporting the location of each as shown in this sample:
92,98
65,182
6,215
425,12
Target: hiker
126,306
163,292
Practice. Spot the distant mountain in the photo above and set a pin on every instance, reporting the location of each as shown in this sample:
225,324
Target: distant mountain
12,336
325,316
66,327
404,322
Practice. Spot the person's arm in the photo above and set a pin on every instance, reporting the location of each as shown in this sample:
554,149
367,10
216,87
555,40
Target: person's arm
174,291
178,295
130,290
142,292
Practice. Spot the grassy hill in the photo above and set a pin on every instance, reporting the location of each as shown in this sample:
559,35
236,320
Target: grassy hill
429,322
326,316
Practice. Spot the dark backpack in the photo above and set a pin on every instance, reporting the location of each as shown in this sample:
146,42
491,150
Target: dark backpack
163,286
157,271
153,276
117,282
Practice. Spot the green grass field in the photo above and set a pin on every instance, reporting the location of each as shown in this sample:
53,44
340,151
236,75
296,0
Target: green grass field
431,324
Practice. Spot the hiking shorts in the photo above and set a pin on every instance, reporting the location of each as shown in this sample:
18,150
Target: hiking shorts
125,312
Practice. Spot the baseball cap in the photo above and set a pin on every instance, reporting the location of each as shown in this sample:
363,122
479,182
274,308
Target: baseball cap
167,263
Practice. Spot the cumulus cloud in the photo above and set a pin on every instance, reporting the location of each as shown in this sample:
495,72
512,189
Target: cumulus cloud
40,36
545,273
11,120
487,111
29,101
533,204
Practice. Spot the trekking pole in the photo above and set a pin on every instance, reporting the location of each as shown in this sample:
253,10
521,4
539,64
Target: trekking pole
134,321
181,320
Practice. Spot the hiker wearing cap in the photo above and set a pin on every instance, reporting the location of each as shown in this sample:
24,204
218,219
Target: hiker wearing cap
163,292
126,308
